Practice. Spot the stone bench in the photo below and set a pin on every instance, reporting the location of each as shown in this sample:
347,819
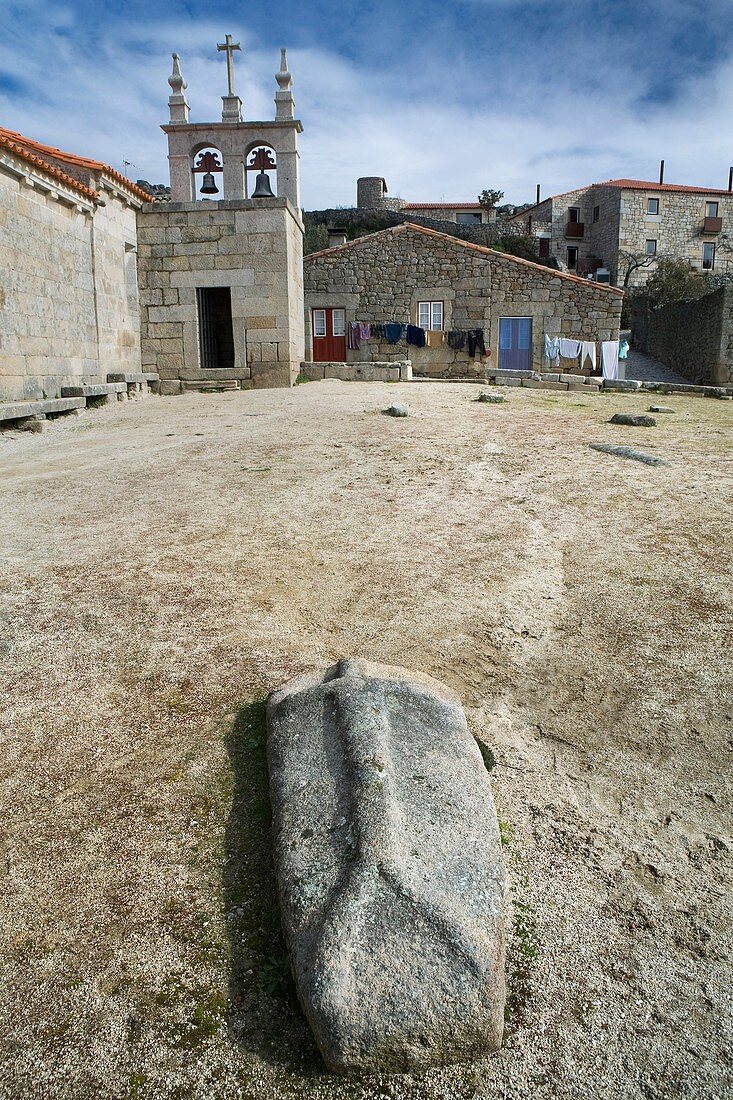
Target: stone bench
389,866
399,371
52,406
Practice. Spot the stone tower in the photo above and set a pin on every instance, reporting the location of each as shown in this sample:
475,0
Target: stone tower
221,265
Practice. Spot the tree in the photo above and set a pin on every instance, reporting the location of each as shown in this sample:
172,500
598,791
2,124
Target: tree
631,261
489,198
517,244
673,281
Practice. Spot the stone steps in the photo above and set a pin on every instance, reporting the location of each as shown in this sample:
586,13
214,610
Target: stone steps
217,385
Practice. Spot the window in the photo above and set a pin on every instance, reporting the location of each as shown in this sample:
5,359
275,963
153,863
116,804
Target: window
319,322
525,333
430,315
596,213
573,214
544,248
529,224
338,322
572,258
708,256
651,248
652,206
711,209
467,217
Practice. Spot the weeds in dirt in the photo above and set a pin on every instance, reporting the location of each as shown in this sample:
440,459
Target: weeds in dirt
487,755
263,1009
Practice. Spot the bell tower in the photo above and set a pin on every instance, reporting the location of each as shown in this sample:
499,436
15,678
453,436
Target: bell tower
220,266
237,142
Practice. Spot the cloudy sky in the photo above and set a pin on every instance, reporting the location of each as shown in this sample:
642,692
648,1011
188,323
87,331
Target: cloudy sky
443,99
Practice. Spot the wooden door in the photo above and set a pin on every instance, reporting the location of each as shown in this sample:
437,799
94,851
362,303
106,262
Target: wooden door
329,335
515,343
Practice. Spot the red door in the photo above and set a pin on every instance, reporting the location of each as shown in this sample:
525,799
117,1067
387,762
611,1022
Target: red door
329,335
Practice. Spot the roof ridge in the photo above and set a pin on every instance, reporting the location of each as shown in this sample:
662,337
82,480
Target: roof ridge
465,244
51,169
73,159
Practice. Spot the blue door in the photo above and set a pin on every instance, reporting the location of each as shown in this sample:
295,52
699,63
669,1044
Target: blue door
515,343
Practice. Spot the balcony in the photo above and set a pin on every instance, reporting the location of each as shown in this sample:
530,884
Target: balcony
712,225
575,229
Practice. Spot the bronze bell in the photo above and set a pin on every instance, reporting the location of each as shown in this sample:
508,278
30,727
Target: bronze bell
208,185
262,187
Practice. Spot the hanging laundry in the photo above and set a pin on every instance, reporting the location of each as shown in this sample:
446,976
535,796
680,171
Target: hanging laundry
435,338
609,358
623,351
416,336
552,348
457,340
475,340
365,331
588,351
352,336
377,331
393,332
569,349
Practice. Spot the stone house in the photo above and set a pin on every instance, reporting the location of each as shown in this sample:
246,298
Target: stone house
69,310
615,230
371,194
410,274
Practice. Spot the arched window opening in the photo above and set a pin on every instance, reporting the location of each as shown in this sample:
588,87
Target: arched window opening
208,178
261,172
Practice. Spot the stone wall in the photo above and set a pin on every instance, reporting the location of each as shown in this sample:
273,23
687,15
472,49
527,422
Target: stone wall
68,299
382,278
255,248
694,338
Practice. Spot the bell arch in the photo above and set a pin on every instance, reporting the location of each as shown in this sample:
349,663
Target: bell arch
260,169
207,170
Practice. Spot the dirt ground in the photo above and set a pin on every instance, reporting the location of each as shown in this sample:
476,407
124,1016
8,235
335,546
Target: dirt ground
168,562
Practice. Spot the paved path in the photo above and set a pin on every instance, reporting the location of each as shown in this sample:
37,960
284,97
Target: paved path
645,369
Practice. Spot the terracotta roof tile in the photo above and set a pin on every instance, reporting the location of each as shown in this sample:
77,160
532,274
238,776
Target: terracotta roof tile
51,169
394,230
35,148
646,185
442,206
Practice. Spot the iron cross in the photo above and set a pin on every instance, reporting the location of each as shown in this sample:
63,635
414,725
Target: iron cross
229,47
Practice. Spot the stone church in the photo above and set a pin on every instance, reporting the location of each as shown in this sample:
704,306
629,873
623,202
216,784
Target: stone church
102,289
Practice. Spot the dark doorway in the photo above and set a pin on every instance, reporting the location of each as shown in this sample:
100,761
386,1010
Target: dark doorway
216,335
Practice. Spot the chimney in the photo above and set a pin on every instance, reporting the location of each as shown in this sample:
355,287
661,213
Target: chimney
661,171
538,193
336,237
730,179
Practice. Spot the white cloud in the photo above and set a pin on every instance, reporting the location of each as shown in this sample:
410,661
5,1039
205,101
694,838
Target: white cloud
441,126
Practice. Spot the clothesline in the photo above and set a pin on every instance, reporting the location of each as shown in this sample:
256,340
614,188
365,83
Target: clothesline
394,331
565,347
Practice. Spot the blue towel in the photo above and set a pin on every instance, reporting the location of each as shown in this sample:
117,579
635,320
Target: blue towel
393,332
416,336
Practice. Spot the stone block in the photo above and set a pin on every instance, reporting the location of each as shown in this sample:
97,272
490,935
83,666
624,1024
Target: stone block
563,386
314,372
621,385
389,866
170,387
363,372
